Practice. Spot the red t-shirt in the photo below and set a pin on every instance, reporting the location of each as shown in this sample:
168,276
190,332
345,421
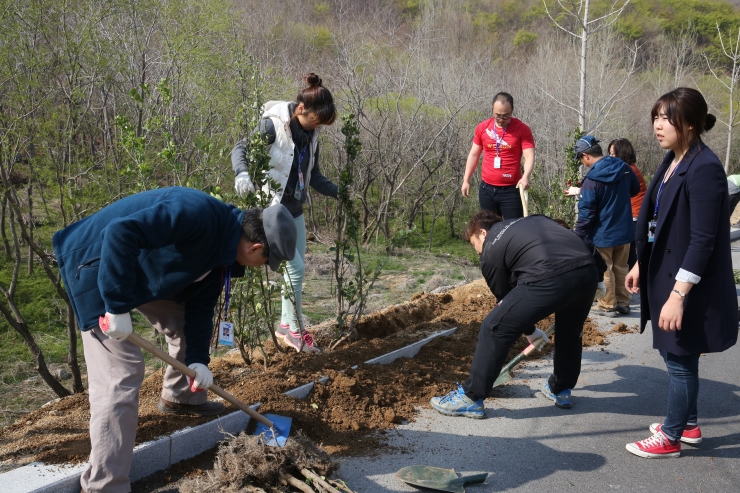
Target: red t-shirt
512,141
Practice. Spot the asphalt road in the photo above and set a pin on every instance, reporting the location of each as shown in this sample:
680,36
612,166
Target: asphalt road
526,444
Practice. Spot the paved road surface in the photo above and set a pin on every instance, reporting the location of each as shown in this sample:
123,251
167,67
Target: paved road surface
529,445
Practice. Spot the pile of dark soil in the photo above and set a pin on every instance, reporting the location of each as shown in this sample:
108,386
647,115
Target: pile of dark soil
340,414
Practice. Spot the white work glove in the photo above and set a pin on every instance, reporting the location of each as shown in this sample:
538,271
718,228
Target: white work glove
243,184
116,326
600,290
203,377
536,335
573,191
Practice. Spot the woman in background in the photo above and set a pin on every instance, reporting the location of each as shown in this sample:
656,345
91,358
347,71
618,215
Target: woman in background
684,267
622,148
291,131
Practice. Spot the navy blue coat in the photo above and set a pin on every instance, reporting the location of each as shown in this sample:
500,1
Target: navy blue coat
692,233
152,246
605,208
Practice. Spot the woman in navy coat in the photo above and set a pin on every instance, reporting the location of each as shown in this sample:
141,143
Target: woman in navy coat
684,268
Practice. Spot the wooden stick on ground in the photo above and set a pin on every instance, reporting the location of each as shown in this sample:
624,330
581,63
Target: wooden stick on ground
317,479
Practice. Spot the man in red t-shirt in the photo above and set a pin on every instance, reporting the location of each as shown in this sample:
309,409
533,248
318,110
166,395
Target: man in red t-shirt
503,140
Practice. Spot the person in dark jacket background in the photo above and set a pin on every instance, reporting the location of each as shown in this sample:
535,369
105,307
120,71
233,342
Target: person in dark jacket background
684,264
534,267
605,219
165,253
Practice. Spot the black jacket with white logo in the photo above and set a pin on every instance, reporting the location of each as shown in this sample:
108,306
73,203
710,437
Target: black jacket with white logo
527,250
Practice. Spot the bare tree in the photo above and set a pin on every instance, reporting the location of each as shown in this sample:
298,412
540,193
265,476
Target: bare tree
729,81
579,13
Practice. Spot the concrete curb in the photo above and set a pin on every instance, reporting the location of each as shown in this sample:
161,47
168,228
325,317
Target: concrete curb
162,453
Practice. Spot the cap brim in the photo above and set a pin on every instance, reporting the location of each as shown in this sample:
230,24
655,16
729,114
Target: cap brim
274,262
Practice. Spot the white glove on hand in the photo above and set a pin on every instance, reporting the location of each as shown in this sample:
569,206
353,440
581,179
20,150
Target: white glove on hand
573,191
536,335
203,377
243,184
116,326
600,290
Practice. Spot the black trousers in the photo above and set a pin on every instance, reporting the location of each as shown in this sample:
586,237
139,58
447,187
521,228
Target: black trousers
504,201
568,295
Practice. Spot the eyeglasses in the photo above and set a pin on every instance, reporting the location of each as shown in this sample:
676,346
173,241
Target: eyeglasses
501,118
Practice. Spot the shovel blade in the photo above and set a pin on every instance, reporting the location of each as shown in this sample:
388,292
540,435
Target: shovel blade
503,378
437,478
278,435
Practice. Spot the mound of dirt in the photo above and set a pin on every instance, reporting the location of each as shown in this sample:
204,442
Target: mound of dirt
338,415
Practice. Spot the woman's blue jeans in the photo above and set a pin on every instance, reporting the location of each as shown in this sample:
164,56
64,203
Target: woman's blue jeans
295,270
683,391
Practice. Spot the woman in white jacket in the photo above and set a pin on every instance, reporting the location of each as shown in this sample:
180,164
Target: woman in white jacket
291,130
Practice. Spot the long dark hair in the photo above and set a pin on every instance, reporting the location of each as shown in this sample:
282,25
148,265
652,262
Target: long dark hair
317,99
685,107
623,150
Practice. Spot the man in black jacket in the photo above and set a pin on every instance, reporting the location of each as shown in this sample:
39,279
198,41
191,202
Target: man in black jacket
534,267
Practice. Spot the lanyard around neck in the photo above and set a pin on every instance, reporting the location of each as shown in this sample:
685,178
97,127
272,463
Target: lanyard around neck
660,189
227,290
495,135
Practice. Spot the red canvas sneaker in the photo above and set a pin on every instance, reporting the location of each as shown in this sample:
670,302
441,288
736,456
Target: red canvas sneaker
691,434
656,447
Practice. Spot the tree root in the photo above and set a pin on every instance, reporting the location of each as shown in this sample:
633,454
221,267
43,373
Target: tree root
296,483
317,479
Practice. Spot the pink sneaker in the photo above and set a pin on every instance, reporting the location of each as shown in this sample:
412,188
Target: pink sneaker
656,447
301,342
282,330
691,434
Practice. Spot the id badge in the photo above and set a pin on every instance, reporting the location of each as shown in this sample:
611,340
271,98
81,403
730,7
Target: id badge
301,185
651,231
497,162
226,333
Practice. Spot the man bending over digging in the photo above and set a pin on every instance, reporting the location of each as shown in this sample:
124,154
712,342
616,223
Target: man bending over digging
534,267
166,253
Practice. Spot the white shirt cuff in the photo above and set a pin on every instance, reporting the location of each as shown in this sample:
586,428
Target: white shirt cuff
686,276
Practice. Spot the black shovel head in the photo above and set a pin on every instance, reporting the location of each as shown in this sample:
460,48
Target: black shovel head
438,478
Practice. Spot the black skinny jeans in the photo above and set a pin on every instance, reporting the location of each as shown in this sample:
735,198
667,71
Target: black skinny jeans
568,295
504,201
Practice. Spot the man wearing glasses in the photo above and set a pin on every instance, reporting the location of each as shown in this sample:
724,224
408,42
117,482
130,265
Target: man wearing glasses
503,141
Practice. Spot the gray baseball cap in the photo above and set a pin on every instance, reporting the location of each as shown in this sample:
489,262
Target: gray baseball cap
585,143
281,234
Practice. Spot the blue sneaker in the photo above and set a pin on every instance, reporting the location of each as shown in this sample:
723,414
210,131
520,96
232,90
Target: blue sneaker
561,399
456,403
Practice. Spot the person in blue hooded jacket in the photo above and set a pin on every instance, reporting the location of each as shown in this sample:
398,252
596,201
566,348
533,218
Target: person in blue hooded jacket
605,219
165,253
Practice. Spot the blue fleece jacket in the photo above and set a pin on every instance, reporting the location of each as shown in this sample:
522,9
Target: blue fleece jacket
605,210
152,246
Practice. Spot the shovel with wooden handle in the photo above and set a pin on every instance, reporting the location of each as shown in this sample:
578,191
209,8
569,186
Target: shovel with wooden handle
524,195
505,375
280,433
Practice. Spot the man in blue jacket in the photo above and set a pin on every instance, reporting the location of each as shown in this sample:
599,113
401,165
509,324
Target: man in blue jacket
166,253
605,219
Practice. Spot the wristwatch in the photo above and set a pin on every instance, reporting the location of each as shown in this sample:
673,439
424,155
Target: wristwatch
680,293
